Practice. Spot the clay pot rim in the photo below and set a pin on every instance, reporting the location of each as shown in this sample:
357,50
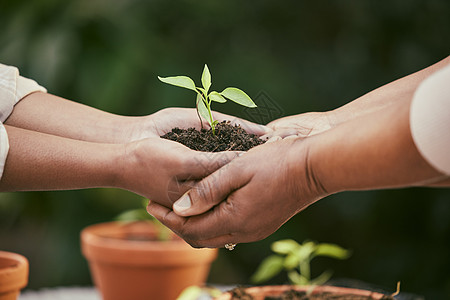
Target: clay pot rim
274,290
14,276
99,235
97,246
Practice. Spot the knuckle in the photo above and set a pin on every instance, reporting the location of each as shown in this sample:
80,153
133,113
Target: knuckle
204,191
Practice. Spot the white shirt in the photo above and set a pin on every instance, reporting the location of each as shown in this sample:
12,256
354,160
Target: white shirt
13,88
430,120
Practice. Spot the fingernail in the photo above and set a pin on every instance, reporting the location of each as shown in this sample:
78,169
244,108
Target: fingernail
183,203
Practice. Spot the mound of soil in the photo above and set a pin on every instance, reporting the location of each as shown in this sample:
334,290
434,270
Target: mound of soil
227,138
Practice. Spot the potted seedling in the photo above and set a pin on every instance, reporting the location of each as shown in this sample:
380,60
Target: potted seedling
138,258
220,136
13,275
295,259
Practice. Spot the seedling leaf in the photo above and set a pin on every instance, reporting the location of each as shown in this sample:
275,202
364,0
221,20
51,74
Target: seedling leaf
269,267
180,81
216,97
206,78
285,246
190,293
297,278
332,250
202,109
238,96
322,278
291,261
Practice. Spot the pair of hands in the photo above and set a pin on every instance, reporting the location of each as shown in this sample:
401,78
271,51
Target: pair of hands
226,189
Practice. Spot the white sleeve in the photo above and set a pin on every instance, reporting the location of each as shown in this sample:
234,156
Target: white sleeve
430,120
13,88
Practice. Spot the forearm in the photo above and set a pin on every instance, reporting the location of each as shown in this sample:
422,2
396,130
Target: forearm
370,152
38,161
384,96
50,114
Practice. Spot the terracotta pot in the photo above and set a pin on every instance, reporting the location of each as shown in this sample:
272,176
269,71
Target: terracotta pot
125,264
259,293
13,275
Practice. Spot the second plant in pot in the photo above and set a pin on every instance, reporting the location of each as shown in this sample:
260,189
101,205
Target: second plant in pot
142,259
295,259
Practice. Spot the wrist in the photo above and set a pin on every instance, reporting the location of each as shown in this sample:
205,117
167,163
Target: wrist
130,129
306,182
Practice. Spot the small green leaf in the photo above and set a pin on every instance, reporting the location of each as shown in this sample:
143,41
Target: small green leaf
238,96
202,109
291,261
331,250
190,293
206,78
269,267
215,96
322,278
297,279
305,251
285,246
134,215
181,81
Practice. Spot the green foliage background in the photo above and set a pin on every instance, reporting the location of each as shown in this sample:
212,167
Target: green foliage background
305,55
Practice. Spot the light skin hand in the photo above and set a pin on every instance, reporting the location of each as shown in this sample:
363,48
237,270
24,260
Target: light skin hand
54,115
308,124
302,125
164,120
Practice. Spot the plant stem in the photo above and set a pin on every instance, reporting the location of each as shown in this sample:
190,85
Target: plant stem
198,114
305,269
208,106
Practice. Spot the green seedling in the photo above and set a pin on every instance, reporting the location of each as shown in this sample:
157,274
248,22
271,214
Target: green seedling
141,214
295,259
205,97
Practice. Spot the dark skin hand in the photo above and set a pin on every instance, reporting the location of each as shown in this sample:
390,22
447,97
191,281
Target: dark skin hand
252,196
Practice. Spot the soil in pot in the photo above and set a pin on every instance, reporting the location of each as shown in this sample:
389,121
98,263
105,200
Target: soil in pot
227,137
316,293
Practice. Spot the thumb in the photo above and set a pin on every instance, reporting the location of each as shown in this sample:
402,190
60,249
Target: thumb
209,192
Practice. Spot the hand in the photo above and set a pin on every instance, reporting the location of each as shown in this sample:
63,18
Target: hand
162,170
302,125
246,200
163,121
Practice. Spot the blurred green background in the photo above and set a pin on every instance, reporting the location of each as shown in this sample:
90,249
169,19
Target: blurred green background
304,56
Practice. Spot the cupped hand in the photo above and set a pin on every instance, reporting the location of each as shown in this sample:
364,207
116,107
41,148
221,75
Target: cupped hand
162,122
246,200
302,125
162,170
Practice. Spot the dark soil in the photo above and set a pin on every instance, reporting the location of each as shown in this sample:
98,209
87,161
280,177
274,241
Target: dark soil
227,138
240,294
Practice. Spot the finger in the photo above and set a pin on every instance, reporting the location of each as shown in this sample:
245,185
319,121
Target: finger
216,242
211,190
207,226
273,139
166,216
294,136
282,132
